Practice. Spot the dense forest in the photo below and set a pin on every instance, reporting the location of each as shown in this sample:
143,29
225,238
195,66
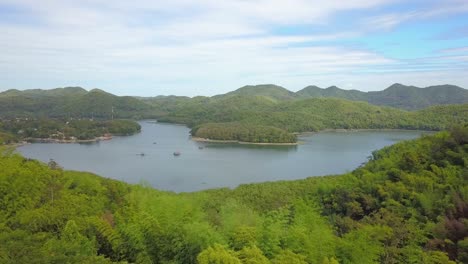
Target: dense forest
408,204
13,130
266,111
243,133
396,95
70,102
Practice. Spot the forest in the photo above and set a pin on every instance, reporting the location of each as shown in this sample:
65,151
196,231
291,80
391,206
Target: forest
407,204
14,130
243,133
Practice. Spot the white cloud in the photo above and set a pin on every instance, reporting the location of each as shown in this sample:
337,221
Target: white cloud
432,9
455,50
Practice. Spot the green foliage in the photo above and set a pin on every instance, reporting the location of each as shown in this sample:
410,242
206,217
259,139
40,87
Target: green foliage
252,255
288,257
7,138
243,133
217,254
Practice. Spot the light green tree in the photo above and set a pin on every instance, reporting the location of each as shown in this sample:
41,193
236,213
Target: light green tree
217,254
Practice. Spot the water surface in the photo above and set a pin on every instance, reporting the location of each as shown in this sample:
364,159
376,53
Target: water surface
209,165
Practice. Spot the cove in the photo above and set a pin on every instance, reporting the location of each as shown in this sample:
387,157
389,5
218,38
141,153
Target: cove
149,157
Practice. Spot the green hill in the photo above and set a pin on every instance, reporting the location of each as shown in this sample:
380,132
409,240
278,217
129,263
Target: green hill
34,93
397,95
332,91
70,102
271,91
412,98
408,204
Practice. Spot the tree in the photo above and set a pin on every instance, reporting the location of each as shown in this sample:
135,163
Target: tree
288,257
217,254
252,255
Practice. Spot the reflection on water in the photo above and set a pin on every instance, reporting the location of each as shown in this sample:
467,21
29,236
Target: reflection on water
149,157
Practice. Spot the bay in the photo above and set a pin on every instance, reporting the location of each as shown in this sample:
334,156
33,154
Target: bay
148,157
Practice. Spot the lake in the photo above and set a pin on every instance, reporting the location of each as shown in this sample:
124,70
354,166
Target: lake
212,165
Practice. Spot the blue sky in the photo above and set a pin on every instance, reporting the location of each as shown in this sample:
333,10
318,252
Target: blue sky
209,47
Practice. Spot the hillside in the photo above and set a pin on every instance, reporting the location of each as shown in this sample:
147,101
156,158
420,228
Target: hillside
70,102
397,95
412,98
271,91
34,93
332,91
407,204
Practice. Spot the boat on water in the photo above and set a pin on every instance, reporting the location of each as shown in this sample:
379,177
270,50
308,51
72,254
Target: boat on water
200,147
176,153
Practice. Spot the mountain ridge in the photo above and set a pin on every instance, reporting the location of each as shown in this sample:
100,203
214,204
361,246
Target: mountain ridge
77,101
69,102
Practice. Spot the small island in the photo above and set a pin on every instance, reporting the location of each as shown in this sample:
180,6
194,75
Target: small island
236,132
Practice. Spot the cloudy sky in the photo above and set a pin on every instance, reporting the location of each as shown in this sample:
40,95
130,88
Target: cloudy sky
208,47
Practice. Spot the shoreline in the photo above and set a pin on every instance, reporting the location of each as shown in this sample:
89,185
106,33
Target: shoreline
344,130
302,134
16,144
66,141
207,140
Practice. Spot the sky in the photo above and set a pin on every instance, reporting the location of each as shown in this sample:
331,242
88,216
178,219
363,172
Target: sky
208,47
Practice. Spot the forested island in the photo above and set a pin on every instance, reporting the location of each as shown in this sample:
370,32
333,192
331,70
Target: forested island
63,130
408,204
242,133
256,114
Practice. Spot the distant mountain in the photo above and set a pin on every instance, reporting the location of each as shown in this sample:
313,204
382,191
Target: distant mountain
332,91
413,98
69,102
397,95
271,91
238,104
67,91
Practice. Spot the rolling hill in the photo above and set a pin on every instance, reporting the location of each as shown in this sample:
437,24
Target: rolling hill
332,91
397,95
70,102
274,92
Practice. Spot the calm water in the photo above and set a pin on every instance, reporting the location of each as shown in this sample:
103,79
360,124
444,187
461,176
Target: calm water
215,165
